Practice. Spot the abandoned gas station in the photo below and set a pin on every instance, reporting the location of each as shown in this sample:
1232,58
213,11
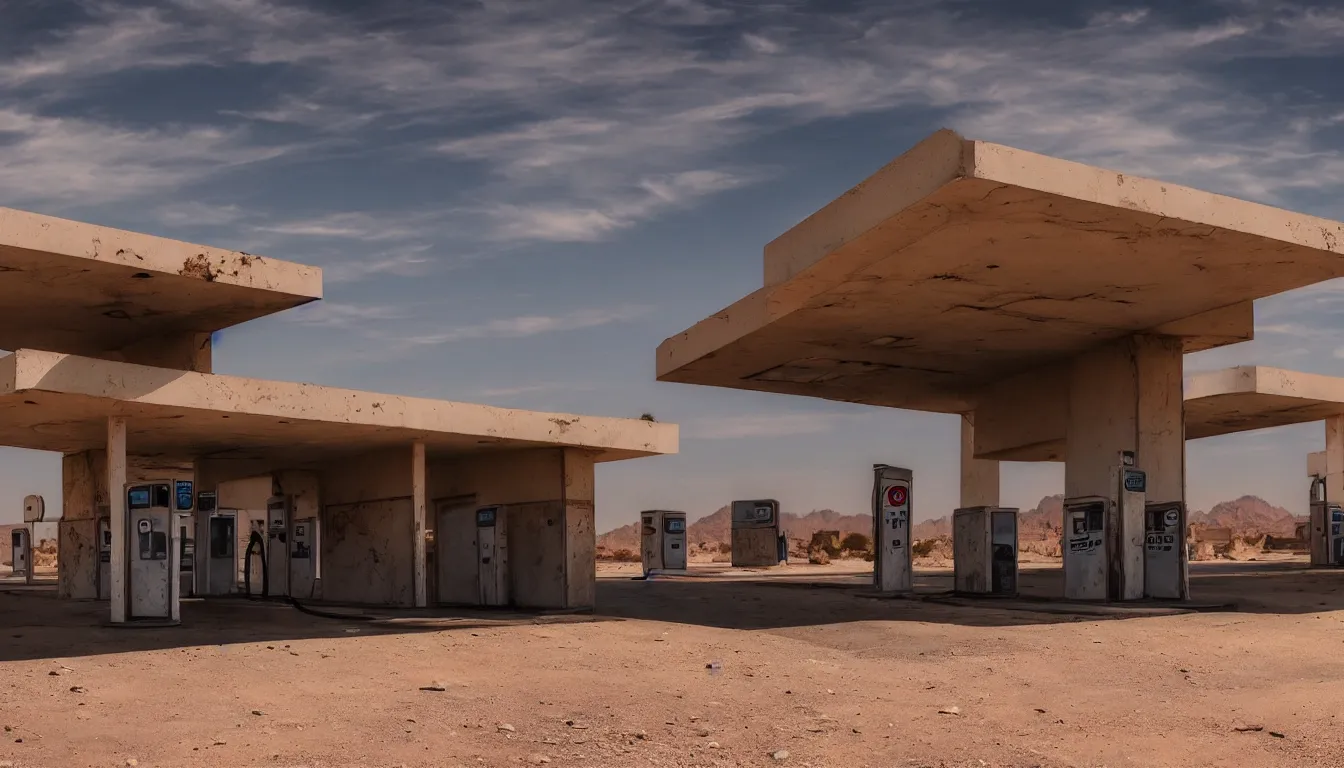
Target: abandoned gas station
179,481
1047,302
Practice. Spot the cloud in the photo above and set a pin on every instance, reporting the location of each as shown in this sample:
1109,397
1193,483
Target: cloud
523,389
528,325
64,159
774,425
330,314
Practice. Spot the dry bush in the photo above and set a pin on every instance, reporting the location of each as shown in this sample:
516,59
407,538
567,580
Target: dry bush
856,543
725,549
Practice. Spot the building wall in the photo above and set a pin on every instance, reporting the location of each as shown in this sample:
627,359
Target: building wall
367,523
248,497
547,495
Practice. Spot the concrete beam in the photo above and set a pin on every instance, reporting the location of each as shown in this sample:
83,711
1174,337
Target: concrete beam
1025,417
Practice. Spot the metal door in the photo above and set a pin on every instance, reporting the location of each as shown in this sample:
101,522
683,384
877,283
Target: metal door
221,564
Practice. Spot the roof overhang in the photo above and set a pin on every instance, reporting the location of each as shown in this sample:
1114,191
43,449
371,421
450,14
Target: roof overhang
963,262
58,402
1254,397
85,289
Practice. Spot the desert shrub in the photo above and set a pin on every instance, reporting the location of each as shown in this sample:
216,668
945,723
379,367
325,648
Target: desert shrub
626,556
725,548
856,542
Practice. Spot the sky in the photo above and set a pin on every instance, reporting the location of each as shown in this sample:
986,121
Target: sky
515,202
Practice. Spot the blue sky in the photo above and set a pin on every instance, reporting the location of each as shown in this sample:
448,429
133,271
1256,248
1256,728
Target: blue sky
515,202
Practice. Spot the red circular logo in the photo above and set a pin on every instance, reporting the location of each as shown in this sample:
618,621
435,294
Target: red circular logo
896,496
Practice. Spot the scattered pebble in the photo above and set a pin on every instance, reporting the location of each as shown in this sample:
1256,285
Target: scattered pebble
702,733
857,729
437,685
950,711
77,689
576,726
782,754
1249,728
54,673
1277,735
258,712
131,761
713,745
506,728
539,759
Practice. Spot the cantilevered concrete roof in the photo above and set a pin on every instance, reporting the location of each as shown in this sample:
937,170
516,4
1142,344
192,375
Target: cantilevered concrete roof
58,402
962,262
1253,397
84,289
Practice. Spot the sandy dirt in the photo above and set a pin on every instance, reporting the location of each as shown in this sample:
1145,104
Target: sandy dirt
801,661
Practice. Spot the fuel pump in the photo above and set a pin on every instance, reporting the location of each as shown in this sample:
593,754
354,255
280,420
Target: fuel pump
21,553
1327,527
984,550
1103,539
651,541
104,558
662,541
183,504
277,545
303,558
1166,573
154,542
892,505
492,555
221,556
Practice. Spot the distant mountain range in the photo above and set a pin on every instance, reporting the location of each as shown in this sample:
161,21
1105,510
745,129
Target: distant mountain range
1248,515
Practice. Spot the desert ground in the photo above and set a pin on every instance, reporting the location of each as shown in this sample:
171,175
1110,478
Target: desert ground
720,669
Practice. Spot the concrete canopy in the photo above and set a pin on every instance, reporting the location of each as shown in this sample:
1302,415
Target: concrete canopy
58,402
1252,397
962,263
85,289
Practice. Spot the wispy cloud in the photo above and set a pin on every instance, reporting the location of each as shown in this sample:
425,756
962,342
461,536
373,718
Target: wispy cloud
331,314
527,325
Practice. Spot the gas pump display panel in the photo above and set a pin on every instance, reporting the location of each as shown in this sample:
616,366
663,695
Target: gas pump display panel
486,516
184,494
674,525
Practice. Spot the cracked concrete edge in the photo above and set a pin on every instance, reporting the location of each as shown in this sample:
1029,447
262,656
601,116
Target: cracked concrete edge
36,370
155,255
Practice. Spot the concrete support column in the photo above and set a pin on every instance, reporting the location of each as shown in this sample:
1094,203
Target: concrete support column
1334,459
979,477
420,503
1124,396
1127,396
116,483
580,543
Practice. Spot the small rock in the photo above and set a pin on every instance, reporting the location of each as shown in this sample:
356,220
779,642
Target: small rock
293,653
857,729
6,764
641,735
782,754
131,761
539,759
950,711
506,728
77,689
713,745
54,673
576,726
1277,735
258,712
702,733
1248,728
220,742
1042,711
437,685
549,741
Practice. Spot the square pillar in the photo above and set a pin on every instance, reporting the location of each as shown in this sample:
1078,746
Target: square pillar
116,484
419,501
1334,459
1126,396
580,544
979,477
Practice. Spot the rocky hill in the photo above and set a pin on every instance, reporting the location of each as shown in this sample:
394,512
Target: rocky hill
1246,516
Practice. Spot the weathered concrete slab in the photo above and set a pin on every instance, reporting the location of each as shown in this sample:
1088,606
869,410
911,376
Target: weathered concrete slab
964,262
1255,397
58,402
80,288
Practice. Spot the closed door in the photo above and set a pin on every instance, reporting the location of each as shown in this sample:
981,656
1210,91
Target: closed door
456,553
